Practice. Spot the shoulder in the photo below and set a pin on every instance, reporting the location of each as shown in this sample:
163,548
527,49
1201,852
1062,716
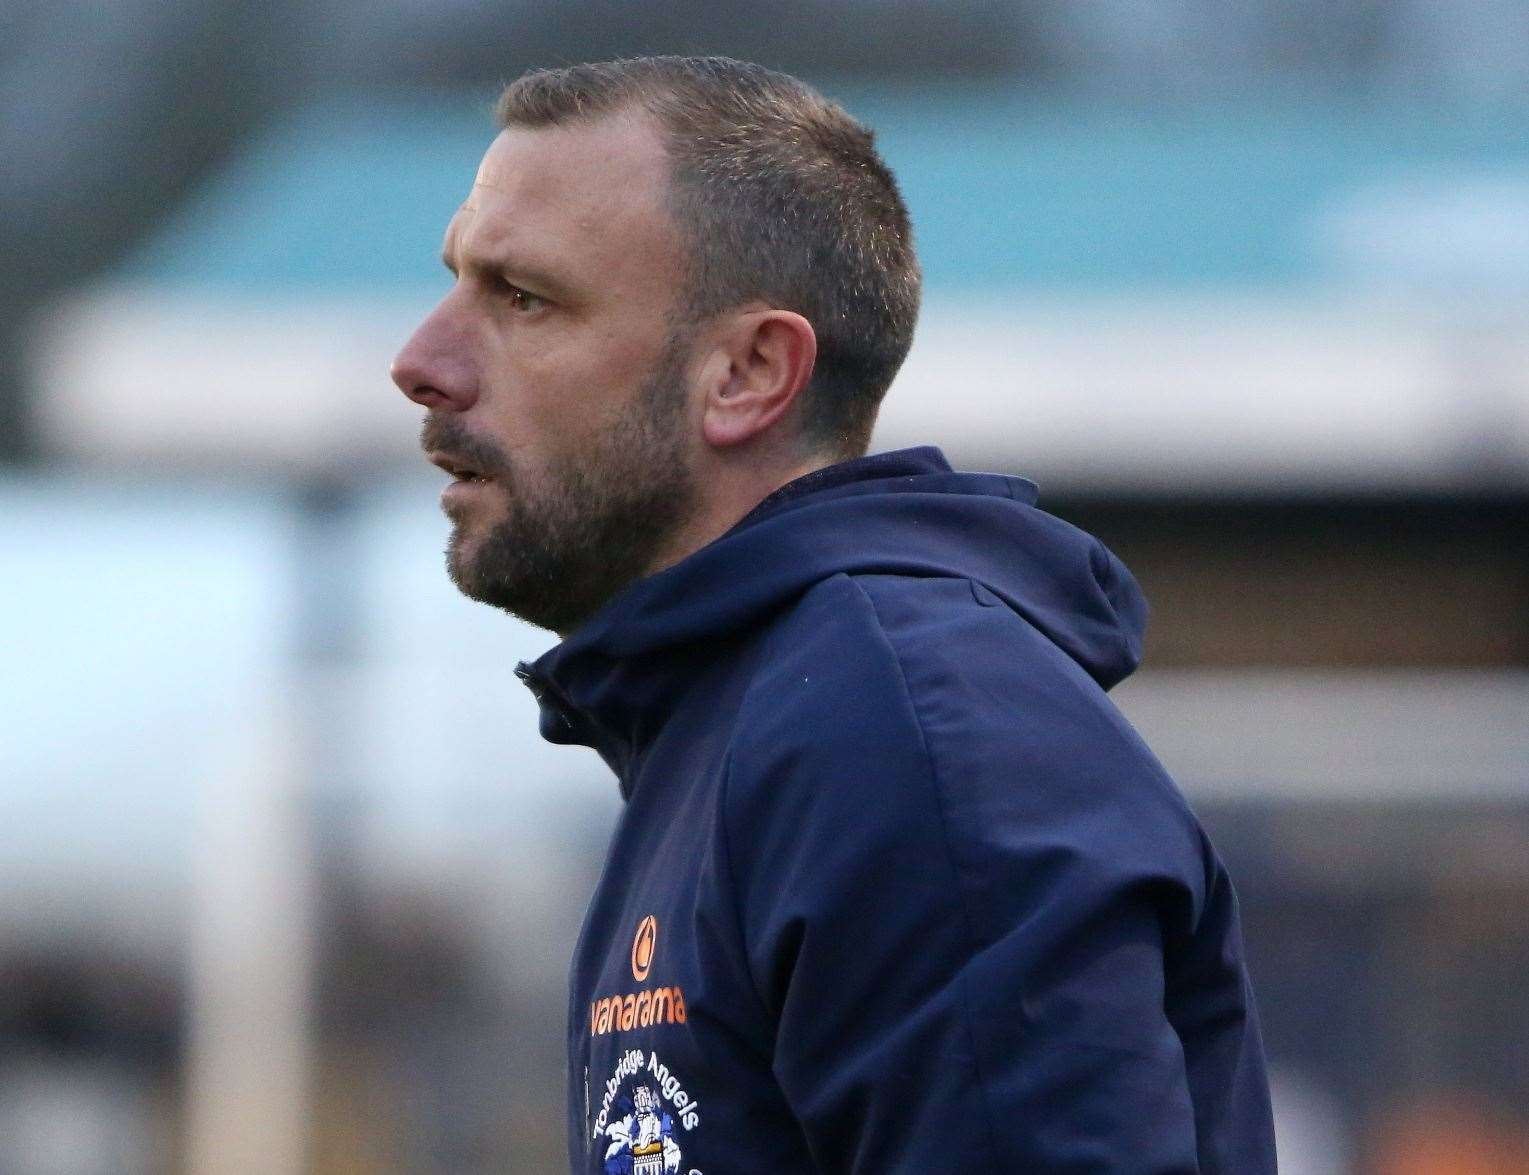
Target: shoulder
925,699
825,701
940,657
988,686
1024,744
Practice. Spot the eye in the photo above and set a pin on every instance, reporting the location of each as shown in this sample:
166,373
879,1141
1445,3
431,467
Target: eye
523,301
526,301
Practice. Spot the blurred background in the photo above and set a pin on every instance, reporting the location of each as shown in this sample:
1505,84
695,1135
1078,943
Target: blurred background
290,881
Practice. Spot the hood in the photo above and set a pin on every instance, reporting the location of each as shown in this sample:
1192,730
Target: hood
898,513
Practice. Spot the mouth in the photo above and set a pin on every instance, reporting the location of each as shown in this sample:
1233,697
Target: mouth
459,470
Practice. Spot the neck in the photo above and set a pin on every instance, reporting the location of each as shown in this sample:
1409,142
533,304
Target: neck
723,502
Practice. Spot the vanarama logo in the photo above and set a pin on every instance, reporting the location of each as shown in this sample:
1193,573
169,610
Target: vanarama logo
639,1009
643,947
636,1010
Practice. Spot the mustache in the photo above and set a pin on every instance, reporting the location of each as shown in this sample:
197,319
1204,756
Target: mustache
447,434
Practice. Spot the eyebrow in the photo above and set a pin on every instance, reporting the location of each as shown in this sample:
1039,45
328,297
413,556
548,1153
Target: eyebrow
517,271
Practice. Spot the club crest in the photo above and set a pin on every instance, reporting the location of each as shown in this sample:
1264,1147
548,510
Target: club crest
644,1116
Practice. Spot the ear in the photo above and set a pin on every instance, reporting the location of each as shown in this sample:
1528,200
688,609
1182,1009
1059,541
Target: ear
762,362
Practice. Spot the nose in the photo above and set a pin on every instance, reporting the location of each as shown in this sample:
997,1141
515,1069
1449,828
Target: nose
435,369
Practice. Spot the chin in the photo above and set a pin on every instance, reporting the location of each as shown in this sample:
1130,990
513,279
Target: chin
467,537
461,551
473,519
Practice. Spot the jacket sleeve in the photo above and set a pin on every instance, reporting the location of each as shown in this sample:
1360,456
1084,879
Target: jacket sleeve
987,945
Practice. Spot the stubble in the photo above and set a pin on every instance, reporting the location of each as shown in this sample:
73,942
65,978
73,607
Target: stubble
593,523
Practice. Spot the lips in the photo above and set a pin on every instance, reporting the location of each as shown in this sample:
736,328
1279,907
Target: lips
459,469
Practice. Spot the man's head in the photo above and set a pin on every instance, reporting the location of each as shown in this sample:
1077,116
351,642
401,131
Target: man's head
780,198
680,282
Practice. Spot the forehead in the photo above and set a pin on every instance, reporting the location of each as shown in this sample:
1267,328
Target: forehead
587,197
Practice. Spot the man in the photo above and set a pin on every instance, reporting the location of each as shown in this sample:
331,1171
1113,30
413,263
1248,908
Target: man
895,887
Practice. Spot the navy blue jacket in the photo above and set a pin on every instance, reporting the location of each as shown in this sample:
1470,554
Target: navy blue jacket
895,887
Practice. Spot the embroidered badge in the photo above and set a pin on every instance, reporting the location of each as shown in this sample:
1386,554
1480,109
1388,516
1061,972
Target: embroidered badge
635,1132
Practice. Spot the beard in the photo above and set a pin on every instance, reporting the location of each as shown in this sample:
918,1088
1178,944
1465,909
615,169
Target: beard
592,523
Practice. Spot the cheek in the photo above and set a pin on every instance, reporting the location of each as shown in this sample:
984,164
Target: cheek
577,394
559,386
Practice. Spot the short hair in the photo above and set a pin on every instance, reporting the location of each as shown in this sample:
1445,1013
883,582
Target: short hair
780,196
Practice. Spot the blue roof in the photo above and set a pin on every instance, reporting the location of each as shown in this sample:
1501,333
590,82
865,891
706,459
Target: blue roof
1004,192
